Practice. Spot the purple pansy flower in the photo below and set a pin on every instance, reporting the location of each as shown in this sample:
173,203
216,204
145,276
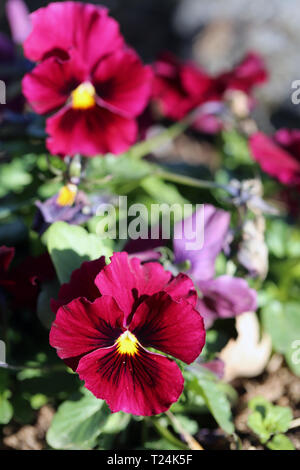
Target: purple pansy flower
68,206
223,296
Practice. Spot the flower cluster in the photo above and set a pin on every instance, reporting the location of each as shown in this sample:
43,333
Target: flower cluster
107,316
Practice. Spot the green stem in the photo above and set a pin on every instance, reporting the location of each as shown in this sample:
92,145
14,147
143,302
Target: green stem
164,432
189,181
149,145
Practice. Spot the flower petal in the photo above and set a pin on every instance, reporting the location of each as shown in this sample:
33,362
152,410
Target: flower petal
182,287
175,328
141,384
84,27
89,132
216,225
81,284
126,279
274,160
50,83
82,326
123,82
225,297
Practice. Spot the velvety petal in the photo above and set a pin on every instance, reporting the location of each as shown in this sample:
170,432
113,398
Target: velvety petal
81,284
249,72
123,83
168,89
195,81
216,225
225,297
89,132
84,27
182,287
127,280
50,83
290,140
82,326
143,384
274,160
175,328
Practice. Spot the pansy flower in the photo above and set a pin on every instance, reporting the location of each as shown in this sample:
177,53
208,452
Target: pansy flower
93,84
180,87
223,296
68,205
109,317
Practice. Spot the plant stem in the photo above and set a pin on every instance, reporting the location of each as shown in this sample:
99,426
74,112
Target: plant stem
193,182
189,439
164,432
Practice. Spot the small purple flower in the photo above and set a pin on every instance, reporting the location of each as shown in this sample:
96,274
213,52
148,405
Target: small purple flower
216,225
224,296
67,206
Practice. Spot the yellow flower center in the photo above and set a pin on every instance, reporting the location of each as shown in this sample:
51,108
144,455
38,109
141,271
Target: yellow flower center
66,195
83,97
127,344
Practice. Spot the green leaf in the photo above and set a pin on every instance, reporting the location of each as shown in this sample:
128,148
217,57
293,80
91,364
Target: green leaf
6,410
280,442
70,245
163,192
49,291
236,149
268,419
78,423
282,322
215,398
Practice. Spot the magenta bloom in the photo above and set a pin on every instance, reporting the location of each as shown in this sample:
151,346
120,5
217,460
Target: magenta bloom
118,311
216,226
279,157
223,296
94,85
181,87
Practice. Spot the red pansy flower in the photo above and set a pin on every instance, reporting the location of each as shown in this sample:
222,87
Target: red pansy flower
122,310
181,87
95,85
279,157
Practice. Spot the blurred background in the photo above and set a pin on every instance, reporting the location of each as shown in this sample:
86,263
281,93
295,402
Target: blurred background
216,34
